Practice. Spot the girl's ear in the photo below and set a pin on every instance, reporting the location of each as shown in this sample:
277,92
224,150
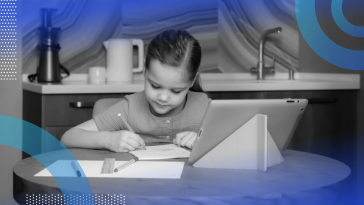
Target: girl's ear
144,67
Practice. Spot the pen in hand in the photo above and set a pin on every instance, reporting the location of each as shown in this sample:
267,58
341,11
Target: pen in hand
129,128
75,167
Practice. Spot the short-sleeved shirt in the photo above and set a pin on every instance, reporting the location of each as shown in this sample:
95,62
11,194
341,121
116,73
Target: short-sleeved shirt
136,111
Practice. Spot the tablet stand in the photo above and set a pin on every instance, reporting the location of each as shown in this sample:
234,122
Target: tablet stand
249,147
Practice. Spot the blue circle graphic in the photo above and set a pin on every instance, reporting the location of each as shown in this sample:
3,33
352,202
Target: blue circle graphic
12,133
320,43
345,25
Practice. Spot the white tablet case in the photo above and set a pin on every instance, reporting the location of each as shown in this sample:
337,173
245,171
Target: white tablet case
249,147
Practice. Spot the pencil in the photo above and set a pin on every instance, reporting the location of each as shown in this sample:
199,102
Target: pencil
75,167
126,164
128,126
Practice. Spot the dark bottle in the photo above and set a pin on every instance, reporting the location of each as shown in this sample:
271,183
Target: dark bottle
49,68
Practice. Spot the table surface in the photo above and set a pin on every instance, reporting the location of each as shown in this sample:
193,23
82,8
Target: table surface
300,175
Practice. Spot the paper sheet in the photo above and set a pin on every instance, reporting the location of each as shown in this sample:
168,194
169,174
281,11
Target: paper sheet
140,169
169,151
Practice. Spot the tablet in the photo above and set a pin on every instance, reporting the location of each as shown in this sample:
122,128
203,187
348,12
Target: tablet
223,117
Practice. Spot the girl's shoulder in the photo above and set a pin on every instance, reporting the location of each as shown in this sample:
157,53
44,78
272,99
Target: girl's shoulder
197,99
198,96
136,100
135,97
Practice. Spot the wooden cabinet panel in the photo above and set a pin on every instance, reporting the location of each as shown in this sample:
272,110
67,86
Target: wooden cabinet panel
57,132
236,95
54,113
328,126
58,109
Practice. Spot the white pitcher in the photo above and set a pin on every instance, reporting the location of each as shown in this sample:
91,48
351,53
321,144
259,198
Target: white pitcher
119,59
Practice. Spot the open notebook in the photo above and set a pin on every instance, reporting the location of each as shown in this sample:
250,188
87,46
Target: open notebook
168,151
156,169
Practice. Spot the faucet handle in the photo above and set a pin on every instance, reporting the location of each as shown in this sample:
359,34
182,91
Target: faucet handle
253,70
269,70
274,61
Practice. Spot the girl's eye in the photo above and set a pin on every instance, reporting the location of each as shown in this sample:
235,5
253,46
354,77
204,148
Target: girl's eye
154,86
177,92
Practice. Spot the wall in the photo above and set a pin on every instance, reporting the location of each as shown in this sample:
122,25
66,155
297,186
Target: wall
228,31
241,23
10,105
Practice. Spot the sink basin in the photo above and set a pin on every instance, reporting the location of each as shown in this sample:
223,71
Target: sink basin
282,77
279,81
275,81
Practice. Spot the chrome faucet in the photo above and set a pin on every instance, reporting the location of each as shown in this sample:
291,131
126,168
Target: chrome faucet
261,70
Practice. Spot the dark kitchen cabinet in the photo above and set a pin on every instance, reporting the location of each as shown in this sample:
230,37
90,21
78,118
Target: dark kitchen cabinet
56,113
328,126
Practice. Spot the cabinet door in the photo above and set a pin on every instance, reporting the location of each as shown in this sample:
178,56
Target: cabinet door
57,113
47,144
236,95
70,110
328,126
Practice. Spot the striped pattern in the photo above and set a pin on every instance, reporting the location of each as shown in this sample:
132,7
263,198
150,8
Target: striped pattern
228,30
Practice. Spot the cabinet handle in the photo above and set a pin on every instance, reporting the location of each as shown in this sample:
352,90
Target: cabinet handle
82,104
321,100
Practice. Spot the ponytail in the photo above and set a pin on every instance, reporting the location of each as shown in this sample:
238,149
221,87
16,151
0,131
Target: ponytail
196,87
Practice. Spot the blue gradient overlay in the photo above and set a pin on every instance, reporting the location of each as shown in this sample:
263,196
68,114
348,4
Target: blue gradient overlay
345,25
11,136
320,43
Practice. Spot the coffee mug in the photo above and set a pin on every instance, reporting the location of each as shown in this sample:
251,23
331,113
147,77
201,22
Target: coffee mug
97,75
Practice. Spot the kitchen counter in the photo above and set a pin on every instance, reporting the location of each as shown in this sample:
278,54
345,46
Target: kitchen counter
77,83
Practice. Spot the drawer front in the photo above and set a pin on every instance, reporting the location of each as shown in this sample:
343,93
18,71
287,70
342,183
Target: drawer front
57,132
70,110
48,145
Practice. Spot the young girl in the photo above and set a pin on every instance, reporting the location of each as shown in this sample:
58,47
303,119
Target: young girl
169,110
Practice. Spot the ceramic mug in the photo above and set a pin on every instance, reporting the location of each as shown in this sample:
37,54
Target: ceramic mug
97,75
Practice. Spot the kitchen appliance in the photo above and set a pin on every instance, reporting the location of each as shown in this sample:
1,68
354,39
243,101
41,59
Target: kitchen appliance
119,59
49,68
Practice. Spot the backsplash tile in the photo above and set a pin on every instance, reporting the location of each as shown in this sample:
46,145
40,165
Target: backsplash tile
228,30
241,24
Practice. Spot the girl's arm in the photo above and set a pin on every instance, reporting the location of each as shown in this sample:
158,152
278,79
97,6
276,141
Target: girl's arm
87,135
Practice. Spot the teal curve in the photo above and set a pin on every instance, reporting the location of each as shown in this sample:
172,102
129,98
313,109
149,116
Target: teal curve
342,22
320,43
12,131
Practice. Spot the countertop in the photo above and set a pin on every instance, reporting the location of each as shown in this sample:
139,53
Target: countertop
211,82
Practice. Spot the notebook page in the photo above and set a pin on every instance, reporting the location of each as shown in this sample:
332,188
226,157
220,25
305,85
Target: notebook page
169,151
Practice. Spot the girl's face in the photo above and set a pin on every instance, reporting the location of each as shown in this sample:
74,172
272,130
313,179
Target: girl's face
165,89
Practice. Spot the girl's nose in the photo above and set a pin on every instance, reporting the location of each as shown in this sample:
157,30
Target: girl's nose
163,97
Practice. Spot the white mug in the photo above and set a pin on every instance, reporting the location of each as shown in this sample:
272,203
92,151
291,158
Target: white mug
97,75
119,59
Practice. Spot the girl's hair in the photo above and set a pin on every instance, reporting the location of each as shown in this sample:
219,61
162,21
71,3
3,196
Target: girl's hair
177,48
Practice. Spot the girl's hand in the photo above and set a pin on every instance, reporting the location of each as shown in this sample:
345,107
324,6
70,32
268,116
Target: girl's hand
124,141
186,139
